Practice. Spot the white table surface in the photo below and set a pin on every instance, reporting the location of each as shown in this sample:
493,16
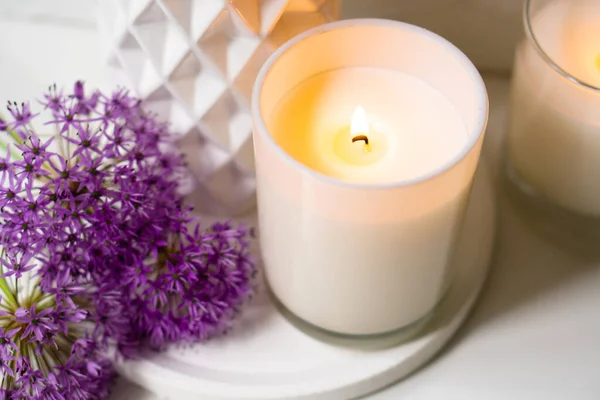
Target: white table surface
536,331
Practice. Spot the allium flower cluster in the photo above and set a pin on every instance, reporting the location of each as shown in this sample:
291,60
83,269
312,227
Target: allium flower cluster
44,351
191,286
97,206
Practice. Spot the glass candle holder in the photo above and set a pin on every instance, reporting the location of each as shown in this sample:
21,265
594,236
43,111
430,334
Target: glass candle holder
553,138
367,134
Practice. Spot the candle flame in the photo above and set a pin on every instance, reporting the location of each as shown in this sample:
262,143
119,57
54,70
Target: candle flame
360,123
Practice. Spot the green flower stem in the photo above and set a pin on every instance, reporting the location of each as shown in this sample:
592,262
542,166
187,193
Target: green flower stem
13,153
15,137
12,133
9,296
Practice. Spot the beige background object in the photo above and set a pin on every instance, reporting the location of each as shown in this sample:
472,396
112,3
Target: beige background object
486,30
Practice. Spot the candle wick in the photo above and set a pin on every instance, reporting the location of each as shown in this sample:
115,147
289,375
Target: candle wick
361,137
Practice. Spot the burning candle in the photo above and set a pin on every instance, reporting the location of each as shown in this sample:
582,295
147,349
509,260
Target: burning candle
554,126
367,134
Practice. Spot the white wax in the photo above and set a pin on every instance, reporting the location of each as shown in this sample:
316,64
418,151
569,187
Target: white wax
554,128
357,275
421,128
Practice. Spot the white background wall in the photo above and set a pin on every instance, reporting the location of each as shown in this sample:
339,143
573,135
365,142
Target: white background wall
486,30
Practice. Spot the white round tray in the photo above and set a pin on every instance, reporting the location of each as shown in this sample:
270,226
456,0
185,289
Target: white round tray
266,357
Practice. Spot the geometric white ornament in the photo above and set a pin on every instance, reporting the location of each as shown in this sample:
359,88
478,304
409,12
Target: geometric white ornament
267,357
194,62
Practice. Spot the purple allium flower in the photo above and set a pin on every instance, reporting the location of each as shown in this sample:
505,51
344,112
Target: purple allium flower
192,289
41,337
97,206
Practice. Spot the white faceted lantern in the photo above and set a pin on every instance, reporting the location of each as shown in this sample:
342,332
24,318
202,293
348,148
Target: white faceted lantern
194,63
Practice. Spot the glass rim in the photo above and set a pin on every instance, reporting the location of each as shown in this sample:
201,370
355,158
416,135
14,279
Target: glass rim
480,93
527,16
